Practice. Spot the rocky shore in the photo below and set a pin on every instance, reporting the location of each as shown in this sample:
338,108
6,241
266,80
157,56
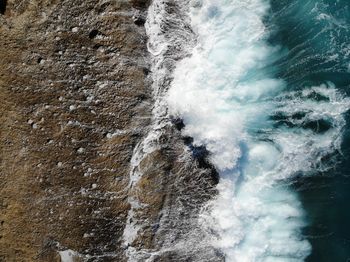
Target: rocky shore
76,93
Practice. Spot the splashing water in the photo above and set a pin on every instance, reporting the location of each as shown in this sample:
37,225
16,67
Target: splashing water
260,135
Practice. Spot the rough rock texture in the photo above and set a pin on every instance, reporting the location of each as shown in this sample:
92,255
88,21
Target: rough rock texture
76,99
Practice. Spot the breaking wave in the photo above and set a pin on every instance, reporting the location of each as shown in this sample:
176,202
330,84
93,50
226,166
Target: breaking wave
260,134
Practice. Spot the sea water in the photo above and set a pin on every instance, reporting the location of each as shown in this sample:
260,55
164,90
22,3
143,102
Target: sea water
265,90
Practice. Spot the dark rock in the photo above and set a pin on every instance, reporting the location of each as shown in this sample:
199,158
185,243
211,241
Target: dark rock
3,4
142,4
93,33
139,20
179,124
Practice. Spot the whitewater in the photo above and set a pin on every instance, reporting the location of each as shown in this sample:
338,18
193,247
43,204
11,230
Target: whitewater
261,135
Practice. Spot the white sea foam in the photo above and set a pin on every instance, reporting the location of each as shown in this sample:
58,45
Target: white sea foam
159,44
259,134
68,255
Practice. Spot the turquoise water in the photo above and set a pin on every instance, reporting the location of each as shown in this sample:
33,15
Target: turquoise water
265,90
317,34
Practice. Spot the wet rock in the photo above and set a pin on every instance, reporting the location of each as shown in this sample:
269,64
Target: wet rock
56,119
139,19
76,100
178,123
140,3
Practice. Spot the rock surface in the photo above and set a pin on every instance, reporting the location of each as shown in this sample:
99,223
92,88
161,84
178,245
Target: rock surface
76,100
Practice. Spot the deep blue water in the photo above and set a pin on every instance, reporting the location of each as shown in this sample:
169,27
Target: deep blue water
316,37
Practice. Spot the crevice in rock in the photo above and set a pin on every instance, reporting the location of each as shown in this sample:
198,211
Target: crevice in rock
3,4
140,4
139,20
93,33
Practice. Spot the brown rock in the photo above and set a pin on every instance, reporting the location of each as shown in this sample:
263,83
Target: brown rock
75,94
65,90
